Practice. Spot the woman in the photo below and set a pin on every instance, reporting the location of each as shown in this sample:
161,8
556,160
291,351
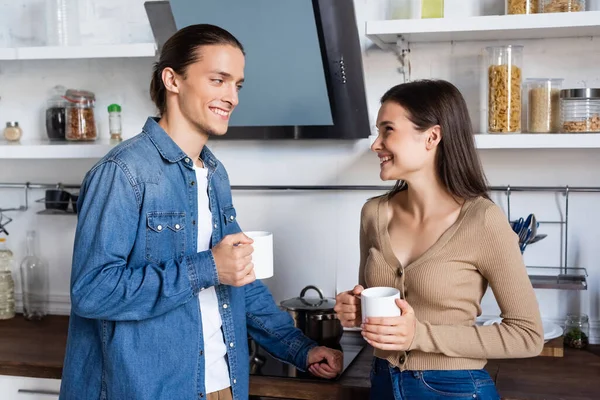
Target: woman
438,238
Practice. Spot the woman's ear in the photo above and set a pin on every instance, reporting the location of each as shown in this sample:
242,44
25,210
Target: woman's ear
434,135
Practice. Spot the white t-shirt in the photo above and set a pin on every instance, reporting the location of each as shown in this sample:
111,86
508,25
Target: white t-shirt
216,370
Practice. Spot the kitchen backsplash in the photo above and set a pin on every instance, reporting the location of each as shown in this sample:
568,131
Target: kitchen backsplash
316,234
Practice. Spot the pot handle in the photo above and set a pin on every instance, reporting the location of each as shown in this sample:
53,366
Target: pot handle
303,292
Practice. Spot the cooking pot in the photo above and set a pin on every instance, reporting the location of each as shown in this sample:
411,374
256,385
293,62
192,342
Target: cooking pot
315,317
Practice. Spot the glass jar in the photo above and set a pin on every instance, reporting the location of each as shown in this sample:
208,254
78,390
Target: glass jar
552,6
432,8
504,88
580,110
56,106
543,105
80,121
13,131
7,284
34,281
114,123
577,331
62,23
522,6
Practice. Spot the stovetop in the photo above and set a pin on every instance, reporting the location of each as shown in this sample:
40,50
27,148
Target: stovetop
267,365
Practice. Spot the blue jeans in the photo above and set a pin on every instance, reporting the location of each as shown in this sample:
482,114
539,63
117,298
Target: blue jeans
389,383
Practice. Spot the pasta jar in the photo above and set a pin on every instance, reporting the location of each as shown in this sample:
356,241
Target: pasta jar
553,6
504,88
580,110
80,121
522,6
543,105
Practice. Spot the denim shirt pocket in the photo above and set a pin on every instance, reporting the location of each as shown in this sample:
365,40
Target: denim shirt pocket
165,236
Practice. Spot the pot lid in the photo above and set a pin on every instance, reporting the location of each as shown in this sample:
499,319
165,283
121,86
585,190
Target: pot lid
305,303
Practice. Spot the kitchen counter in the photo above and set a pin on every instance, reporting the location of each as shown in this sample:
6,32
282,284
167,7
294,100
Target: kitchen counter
36,349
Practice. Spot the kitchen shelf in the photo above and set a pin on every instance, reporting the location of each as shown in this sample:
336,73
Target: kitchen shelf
46,149
538,141
484,28
576,279
78,52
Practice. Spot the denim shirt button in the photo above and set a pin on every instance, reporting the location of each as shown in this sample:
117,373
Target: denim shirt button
231,344
187,160
215,225
201,395
225,306
159,228
234,381
177,226
201,352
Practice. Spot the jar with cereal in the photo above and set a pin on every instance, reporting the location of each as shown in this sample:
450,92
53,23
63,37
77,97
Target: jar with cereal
580,110
554,6
80,121
504,88
522,6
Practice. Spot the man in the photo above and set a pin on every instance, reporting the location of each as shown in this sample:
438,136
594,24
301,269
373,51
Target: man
163,290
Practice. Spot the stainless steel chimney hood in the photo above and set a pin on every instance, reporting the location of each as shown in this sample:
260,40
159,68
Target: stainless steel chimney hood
304,75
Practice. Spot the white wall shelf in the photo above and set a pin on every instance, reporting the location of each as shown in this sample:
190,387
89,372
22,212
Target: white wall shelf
538,141
493,27
45,149
78,52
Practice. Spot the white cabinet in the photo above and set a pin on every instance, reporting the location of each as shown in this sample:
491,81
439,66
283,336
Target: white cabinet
22,388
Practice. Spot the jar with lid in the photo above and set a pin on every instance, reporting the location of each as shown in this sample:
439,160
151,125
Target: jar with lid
580,110
577,331
56,106
12,131
522,6
504,88
543,105
114,123
553,6
80,121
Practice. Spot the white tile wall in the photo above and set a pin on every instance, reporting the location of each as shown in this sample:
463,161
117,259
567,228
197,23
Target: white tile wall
316,234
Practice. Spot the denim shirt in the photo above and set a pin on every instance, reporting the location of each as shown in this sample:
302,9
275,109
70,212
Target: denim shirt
135,330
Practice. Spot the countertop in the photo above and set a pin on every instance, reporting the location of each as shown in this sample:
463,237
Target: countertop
36,349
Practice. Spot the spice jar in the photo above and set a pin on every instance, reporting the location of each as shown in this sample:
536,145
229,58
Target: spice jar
543,105
522,6
552,6
114,123
13,131
580,110
55,114
504,88
577,331
81,124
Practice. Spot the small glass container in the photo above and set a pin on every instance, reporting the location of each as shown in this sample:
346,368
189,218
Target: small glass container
522,6
56,106
543,105
580,110
7,284
577,331
13,131
81,123
432,8
34,281
504,88
553,6
114,123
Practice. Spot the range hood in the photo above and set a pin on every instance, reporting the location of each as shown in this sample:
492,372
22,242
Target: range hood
304,76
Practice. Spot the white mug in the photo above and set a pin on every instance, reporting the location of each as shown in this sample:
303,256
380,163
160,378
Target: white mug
262,257
379,302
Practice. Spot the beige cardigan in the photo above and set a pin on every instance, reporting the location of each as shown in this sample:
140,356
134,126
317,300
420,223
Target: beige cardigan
445,286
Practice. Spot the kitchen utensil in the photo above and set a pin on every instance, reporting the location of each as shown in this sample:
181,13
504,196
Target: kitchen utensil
315,317
57,199
537,238
379,302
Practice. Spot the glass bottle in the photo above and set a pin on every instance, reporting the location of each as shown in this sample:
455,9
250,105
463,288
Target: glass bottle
34,281
62,23
7,284
577,331
114,123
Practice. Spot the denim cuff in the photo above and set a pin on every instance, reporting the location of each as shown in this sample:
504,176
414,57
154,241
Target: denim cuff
202,270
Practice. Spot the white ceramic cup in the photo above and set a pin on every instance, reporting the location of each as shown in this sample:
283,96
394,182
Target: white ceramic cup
379,302
262,257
